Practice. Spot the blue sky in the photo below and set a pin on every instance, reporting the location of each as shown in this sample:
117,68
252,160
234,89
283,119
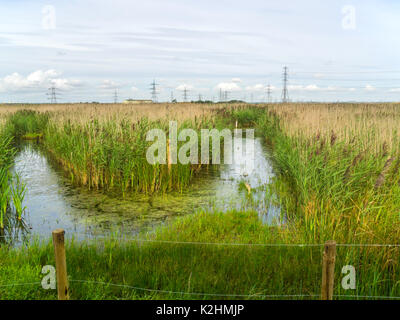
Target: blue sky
89,48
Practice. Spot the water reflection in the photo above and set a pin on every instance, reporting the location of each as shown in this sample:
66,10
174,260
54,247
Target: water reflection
243,185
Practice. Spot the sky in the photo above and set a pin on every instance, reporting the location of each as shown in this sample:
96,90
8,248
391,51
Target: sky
88,49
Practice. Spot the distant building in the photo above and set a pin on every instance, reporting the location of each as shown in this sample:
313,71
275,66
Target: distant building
137,101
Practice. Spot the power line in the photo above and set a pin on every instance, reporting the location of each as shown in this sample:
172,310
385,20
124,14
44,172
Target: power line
268,93
223,95
153,90
353,87
185,92
52,94
285,92
345,72
115,96
226,92
333,79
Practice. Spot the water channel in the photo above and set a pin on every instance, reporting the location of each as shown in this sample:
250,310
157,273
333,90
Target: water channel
52,201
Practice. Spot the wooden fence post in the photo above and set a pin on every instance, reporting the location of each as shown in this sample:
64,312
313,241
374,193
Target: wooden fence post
328,270
61,264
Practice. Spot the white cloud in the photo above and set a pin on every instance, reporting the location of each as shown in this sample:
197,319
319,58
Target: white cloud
260,87
236,80
315,88
257,87
395,90
134,89
368,87
184,86
39,79
40,41
295,87
312,87
66,84
228,86
108,84
332,88
41,76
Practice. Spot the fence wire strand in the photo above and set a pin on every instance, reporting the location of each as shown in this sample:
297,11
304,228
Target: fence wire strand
19,284
193,293
365,297
207,294
112,237
233,244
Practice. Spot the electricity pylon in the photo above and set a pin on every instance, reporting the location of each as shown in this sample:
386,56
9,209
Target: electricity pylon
52,94
285,92
153,90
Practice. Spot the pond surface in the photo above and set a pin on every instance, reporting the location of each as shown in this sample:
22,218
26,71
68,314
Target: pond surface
53,202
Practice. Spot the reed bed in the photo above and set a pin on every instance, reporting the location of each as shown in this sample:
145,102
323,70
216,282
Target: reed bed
341,169
368,126
82,113
113,155
104,146
12,190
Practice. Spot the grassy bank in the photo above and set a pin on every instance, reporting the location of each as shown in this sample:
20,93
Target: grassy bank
122,269
164,266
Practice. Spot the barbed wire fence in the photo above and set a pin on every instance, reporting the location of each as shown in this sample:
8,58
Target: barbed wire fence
111,236
327,270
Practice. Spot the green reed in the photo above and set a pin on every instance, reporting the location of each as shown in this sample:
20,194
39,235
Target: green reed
108,155
26,124
113,156
18,191
12,190
6,154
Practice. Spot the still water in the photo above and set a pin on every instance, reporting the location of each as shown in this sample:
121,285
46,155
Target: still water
53,202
